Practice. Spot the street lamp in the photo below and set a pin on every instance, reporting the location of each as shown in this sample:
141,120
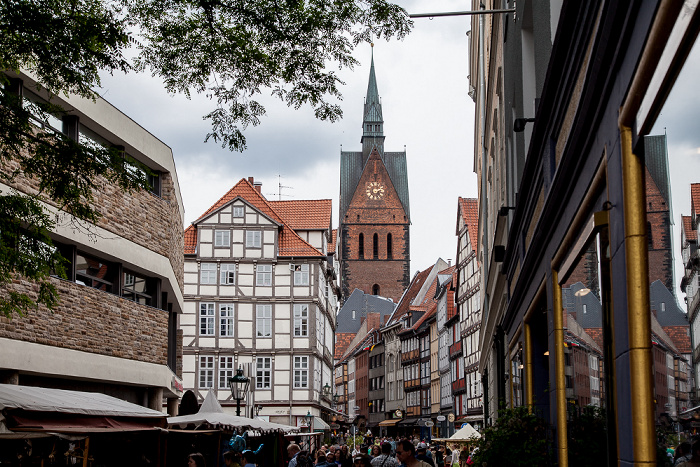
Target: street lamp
335,400
258,408
309,419
239,388
327,390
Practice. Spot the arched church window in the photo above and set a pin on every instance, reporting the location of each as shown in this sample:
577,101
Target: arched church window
375,246
375,289
389,252
361,247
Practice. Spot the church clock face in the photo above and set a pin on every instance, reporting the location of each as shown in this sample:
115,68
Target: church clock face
375,190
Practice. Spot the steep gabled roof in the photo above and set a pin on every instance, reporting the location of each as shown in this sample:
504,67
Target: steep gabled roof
690,233
469,210
414,287
313,214
290,243
695,198
334,241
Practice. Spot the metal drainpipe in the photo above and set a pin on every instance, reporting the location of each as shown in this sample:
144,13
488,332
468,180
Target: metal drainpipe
482,128
560,380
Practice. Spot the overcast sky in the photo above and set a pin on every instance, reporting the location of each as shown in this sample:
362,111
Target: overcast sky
423,84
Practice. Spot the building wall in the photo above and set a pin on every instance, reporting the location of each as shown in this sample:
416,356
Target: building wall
275,316
94,339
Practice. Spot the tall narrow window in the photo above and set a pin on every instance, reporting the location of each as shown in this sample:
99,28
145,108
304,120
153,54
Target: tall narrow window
206,319
375,246
361,247
226,320
264,320
206,372
375,289
263,367
389,247
301,372
301,320
225,371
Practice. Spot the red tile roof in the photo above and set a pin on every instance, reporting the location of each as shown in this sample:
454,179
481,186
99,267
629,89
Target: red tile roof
190,240
469,210
414,287
290,243
695,198
314,214
334,239
690,233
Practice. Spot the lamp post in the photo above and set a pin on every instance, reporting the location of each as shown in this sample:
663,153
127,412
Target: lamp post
309,419
258,408
335,401
327,390
239,388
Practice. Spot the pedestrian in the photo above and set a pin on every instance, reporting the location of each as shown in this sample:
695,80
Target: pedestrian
405,454
249,458
361,460
292,451
196,459
375,451
421,454
384,459
321,459
231,459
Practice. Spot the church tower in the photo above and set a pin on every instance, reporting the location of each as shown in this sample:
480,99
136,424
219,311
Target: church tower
374,211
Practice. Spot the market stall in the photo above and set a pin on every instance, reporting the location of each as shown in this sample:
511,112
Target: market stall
41,425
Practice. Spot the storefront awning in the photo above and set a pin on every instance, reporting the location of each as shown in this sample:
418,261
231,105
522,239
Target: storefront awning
389,422
320,425
409,421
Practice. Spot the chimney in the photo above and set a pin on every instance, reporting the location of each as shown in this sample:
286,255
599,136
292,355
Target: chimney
251,180
258,187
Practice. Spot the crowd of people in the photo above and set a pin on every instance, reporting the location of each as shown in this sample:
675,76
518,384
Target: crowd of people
384,452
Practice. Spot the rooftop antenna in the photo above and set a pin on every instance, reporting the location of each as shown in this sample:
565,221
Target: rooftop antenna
280,186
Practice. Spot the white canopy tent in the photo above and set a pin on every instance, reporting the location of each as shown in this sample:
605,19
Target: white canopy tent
212,416
465,434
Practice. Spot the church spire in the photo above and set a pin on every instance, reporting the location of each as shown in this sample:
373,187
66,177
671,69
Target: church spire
373,122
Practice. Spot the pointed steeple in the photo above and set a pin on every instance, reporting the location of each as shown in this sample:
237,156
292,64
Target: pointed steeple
373,122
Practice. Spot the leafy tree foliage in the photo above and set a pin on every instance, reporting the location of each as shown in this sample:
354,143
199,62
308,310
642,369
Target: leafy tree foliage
230,50
233,49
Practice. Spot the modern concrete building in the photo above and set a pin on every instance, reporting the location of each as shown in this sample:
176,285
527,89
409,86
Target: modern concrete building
260,293
115,328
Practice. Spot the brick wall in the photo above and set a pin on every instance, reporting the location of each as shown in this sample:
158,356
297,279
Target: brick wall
141,217
92,321
659,228
369,216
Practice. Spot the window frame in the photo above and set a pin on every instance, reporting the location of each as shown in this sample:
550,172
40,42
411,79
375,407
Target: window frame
208,377
263,321
253,239
226,371
222,238
261,275
301,320
209,274
224,270
301,274
209,318
238,212
301,372
263,374
227,320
